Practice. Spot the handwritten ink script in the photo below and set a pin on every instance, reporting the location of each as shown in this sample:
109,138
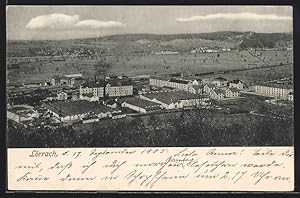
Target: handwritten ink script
152,169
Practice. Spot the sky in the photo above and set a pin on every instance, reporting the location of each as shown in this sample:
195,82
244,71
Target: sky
70,22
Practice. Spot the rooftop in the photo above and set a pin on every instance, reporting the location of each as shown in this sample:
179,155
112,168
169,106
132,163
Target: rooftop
219,91
119,82
93,84
198,86
73,75
90,95
65,108
220,79
20,108
171,96
142,103
111,82
210,85
64,78
277,85
236,81
176,80
233,89
23,112
181,81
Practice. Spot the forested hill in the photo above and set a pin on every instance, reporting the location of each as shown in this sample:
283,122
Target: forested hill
267,40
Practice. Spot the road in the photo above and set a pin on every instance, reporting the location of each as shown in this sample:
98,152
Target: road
268,116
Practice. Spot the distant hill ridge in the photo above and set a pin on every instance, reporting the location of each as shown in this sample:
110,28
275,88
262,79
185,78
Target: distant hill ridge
149,43
243,39
224,35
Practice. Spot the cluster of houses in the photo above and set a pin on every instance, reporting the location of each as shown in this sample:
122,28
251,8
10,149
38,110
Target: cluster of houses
218,88
207,50
69,79
71,52
64,94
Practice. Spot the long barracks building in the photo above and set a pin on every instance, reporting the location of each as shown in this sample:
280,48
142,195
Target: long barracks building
280,91
175,83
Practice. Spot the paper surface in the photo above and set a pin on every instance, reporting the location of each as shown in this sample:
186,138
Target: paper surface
152,169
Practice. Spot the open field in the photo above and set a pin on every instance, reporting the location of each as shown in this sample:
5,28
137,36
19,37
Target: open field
136,54
150,64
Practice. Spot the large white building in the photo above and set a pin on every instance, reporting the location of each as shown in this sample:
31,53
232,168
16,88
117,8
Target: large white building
140,105
74,111
113,88
279,91
96,89
179,84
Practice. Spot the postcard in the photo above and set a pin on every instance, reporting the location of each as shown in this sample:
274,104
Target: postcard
150,98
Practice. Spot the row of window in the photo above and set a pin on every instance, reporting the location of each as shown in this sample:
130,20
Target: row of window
161,83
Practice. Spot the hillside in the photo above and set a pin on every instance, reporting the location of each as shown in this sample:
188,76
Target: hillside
148,43
266,40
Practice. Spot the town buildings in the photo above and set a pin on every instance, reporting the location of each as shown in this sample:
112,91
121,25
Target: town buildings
220,82
217,94
220,94
70,80
196,89
175,99
236,84
207,88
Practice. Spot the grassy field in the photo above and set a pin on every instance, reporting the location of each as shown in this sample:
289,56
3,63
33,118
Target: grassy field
150,64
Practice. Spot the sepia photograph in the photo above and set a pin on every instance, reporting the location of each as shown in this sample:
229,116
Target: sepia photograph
149,76
150,98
